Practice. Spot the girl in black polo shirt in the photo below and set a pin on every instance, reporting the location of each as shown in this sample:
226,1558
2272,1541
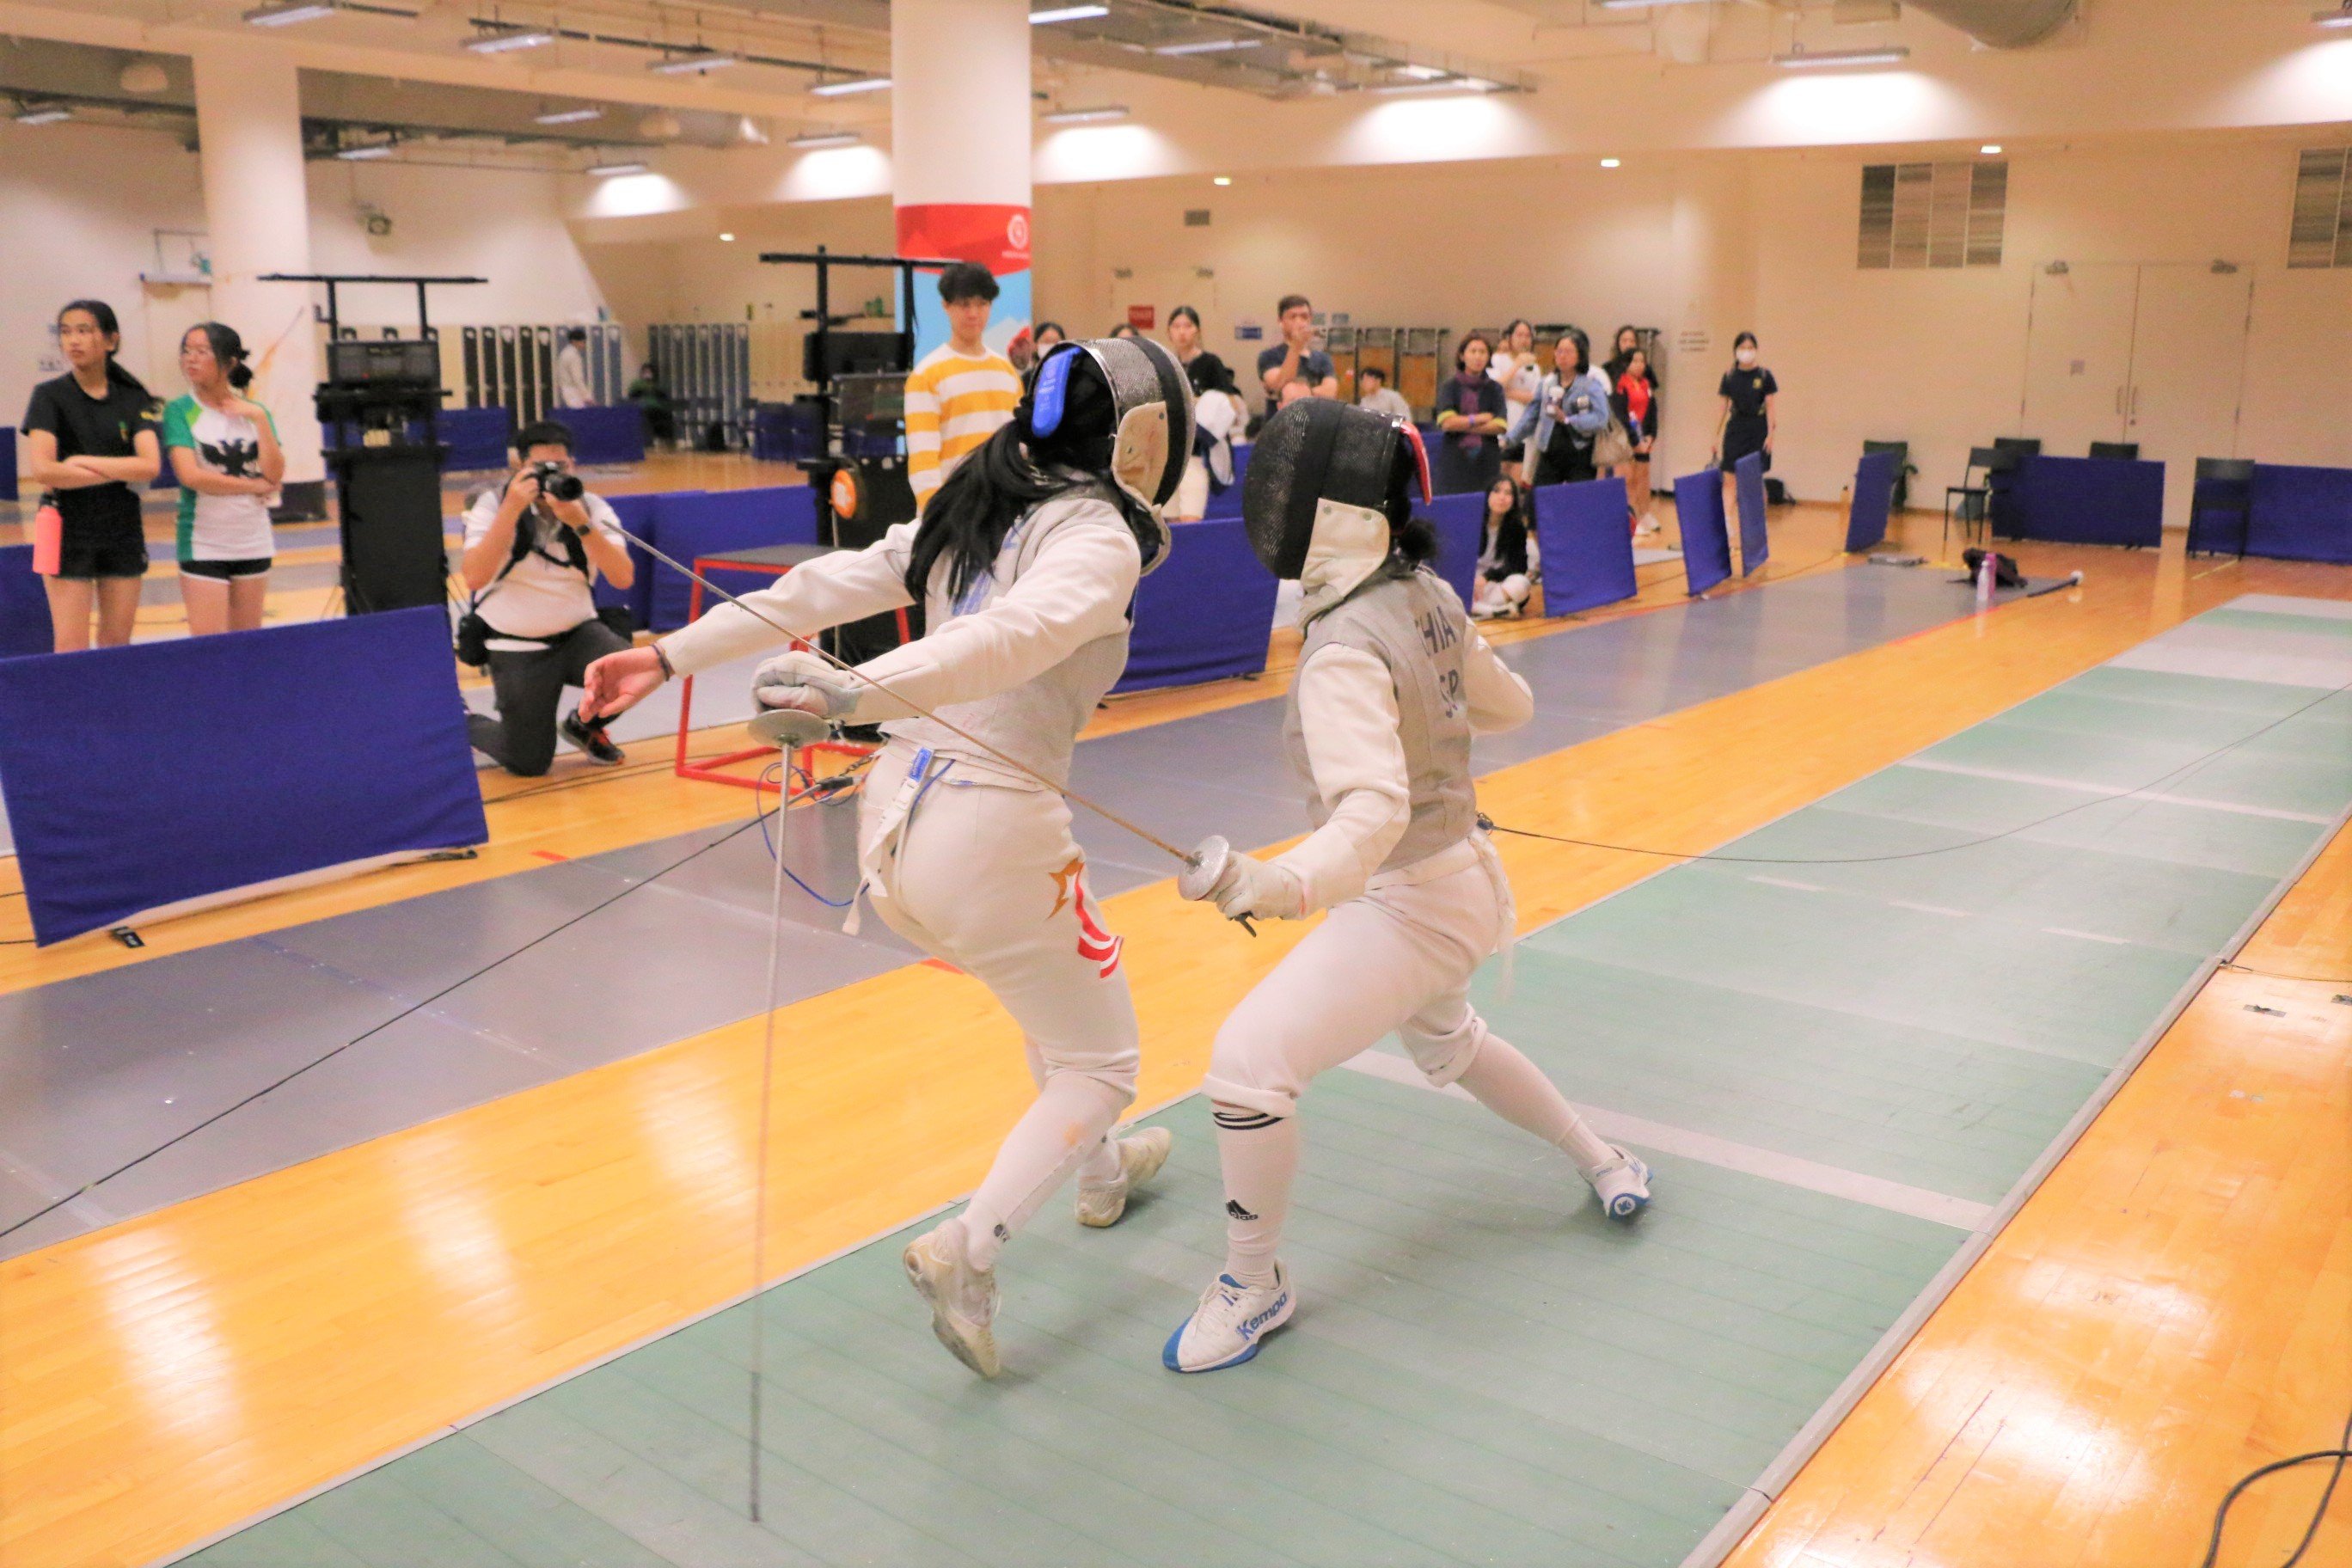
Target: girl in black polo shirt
1749,419
92,436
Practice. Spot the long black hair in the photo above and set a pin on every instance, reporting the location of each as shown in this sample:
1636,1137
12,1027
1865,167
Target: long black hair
101,312
1583,348
1746,340
228,352
970,514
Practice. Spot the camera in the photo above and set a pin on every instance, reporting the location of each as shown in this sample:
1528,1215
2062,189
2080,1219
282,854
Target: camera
556,483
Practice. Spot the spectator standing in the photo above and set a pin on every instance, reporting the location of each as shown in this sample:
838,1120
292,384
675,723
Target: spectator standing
1046,335
1125,329
1503,579
571,370
1620,349
531,562
1750,419
652,399
1218,412
1515,369
1374,392
91,435
963,392
1569,410
1296,357
224,450
1470,417
1635,399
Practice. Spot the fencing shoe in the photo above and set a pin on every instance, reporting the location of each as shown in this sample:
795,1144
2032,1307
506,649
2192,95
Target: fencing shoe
594,744
1227,1327
1139,1159
1623,1185
962,1298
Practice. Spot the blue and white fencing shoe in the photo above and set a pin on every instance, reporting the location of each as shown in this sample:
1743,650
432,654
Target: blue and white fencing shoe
1623,1185
1227,1327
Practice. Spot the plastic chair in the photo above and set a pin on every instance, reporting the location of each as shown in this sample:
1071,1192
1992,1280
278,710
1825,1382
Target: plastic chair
2115,451
2225,488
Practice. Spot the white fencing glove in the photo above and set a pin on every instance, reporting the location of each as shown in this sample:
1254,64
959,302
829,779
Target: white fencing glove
808,681
1241,885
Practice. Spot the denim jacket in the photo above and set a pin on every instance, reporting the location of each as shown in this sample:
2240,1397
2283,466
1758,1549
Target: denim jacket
1535,424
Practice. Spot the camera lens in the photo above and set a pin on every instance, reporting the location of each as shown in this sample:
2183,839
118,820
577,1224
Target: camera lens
564,486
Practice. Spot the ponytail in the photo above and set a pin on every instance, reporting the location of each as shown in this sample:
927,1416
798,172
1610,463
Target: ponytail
101,312
228,352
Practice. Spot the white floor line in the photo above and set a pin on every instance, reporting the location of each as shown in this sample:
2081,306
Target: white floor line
1961,1213
2006,776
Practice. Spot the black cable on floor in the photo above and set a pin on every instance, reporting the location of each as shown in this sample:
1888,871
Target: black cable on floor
2199,762
2341,1452
2275,974
379,1028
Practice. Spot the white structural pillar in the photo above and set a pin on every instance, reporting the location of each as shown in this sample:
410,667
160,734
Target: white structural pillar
960,129
1715,260
258,221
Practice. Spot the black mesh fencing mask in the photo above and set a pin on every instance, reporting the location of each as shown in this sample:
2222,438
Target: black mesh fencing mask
1317,451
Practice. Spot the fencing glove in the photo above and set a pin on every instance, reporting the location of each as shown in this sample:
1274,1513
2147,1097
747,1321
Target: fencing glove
808,681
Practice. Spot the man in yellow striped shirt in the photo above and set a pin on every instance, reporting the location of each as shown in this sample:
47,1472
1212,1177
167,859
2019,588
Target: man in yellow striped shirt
962,392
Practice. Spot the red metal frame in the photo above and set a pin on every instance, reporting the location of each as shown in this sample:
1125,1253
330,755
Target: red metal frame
710,769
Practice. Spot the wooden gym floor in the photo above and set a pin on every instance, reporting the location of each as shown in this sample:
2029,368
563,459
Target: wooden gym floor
2167,1311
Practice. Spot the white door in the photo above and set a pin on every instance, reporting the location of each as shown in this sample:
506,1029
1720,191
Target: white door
2078,356
2189,362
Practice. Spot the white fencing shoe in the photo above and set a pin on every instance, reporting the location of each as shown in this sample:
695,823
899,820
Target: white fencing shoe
962,1298
1139,1159
1227,1327
1623,1185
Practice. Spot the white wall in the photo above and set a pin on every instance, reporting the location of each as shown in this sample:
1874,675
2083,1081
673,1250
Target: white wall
80,204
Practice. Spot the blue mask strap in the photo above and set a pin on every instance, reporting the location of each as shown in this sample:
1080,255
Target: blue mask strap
1052,391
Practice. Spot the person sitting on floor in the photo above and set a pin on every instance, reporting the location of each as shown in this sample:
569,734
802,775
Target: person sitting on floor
531,559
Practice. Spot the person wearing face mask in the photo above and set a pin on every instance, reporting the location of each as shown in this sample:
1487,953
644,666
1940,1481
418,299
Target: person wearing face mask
1470,412
1218,414
1515,369
1749,420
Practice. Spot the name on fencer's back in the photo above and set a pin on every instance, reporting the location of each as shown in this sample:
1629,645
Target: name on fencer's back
1439,634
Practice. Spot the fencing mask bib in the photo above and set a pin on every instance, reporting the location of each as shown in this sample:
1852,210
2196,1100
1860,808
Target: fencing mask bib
1323,458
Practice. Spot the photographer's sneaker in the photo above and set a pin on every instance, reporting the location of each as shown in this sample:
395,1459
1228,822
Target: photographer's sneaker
1232,1320
962,1298
1623,1185
1139,1159
593,745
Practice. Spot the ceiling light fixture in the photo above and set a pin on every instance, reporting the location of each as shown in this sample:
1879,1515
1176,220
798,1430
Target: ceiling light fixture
602,170
1448,84
1209,47
361,154
2339,17
1067,14
825,139
1825,59
1613,163
505,40
700,62
1222,180
579,116
289,12
844,88
726,238
1991,150
43,114
1423,73
1085,116
1638,4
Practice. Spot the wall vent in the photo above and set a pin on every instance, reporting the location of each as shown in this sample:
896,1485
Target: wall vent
1196,218
1933,215
2322,235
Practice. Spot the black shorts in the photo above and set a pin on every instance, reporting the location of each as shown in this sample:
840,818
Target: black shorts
105,551
227,571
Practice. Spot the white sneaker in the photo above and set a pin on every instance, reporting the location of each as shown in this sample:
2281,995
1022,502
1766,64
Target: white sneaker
1623,1185
1647,526
962,1298
1227,1327
1139,1159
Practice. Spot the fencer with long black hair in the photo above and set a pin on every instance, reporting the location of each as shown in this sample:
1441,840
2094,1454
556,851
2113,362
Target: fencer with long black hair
1026,562
1392,682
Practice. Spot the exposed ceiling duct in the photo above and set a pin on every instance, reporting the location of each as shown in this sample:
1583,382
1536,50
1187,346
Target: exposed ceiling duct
2001,23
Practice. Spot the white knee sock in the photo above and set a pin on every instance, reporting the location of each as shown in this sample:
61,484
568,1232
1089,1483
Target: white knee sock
1515,1089
1100,1167
1054,1137
1260,1155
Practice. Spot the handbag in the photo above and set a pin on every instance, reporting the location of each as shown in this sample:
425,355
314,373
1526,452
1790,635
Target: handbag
1612,446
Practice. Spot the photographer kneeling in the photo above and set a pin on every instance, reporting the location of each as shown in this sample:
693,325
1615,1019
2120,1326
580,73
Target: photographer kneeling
532,553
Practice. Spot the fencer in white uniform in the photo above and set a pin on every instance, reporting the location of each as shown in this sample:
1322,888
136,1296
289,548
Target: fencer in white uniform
1028,559
1392,682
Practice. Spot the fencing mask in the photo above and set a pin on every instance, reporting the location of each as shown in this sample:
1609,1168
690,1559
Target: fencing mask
1151,413
1318,455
